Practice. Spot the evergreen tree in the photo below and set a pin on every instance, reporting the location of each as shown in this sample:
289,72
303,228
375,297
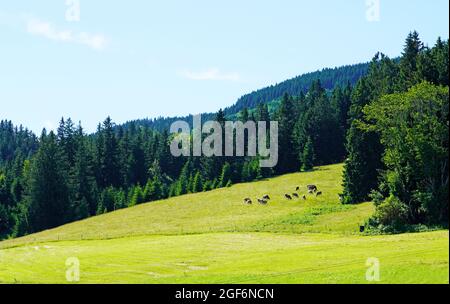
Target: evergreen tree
364,160
225,176
287,159
197,183
408,64
82,180
415,135
47,199
364,153
108,156
307,158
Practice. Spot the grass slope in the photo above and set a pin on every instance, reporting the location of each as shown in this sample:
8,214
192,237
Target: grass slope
214,238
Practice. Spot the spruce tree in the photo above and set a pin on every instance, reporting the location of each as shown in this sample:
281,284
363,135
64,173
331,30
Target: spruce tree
47,198
287,158
225,176
409,75
307,158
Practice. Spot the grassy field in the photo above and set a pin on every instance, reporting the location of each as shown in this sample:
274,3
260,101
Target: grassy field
214,238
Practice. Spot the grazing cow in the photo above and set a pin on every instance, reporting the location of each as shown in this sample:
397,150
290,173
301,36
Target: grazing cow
266,197
248,201
319,193
288,196
295,195
298,188
362,229
312,188
262,201
304,197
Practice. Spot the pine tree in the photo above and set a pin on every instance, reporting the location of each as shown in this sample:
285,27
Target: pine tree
47,199
244,116
364,152
408,64
197,183
82,180
108,156
307,157
288,161
225,176
137,196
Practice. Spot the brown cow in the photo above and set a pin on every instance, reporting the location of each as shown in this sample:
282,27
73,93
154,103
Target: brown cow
312,188
248,201
262,201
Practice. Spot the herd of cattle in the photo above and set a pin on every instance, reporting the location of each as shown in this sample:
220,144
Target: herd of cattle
312,190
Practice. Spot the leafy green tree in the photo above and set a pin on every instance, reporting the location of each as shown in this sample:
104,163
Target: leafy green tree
415,135
364,150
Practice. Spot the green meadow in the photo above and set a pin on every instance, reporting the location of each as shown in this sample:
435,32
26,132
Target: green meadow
213,237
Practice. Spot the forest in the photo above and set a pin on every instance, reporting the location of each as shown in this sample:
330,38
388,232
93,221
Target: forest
387,121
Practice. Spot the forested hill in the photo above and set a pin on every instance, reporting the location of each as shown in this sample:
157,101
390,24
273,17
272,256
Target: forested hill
329,78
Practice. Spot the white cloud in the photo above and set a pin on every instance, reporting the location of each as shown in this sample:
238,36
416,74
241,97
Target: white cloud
47,30
210,74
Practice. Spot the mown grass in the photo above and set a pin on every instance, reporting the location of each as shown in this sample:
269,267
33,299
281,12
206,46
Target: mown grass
214,237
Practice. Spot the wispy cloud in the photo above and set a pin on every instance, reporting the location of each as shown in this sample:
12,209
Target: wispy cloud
210,74
47,30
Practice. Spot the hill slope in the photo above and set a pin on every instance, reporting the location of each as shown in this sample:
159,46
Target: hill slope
213,237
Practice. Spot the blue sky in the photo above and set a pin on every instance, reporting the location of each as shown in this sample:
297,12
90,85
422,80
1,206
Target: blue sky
135,59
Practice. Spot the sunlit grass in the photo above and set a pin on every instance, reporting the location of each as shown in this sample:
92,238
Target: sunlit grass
214,237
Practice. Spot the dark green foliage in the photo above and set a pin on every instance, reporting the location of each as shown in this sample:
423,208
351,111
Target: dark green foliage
399,135
225,176
307,157
364,150
47,199
318,122
415,134
330,78
108,165
287,158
